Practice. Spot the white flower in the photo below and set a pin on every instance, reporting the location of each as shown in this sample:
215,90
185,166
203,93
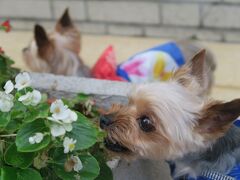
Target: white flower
71,116
69,144
37,138
77,163
31,98
59,110
36,97
59,129
6,102
22,80
61,118
8,87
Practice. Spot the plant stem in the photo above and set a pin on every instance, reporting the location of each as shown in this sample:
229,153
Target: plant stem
8,135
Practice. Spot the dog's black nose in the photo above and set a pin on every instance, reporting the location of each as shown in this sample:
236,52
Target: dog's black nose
105,121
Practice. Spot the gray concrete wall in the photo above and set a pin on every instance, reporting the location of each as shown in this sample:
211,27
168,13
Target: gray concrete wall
216,20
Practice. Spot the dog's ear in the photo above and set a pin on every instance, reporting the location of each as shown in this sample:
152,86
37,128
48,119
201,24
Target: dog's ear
218,117
191,75
64,22
43,43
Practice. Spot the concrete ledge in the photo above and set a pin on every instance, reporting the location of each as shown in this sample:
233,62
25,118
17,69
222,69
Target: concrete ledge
73,85
104,92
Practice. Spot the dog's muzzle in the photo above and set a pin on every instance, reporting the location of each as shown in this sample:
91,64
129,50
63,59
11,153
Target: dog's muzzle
115,147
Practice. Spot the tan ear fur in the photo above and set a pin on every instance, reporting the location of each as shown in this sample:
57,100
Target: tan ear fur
218,117
65,22
45,46
191,75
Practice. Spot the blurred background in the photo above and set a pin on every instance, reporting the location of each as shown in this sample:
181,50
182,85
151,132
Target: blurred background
135,25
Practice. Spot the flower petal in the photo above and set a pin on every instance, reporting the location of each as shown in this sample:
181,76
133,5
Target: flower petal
8,87
22,80
36,97
38,137
6,102
57,130
31,140
68,127
26,99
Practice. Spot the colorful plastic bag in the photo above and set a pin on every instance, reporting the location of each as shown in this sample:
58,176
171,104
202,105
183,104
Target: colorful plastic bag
154,64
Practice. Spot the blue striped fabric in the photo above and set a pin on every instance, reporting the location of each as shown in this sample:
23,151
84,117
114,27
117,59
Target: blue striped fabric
212,175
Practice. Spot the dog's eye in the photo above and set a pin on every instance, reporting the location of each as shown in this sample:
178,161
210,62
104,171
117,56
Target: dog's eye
146,124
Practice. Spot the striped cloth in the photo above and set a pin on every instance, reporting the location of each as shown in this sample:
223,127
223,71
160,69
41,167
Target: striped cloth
213,175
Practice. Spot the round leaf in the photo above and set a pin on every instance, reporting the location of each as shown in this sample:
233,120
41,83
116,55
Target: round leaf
90,169
18,159
89,172
4,119
28,174
33,113
28,130
84,132
10,173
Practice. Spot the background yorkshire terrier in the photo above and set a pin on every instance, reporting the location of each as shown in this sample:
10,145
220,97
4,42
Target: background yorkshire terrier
57,52
175,121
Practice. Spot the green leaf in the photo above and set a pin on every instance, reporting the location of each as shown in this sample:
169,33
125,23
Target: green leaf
13,125
28,130
105,171
90,169
84,131
18,110
5,117
18,159
28,174
37,112
89,172
79,98
10,173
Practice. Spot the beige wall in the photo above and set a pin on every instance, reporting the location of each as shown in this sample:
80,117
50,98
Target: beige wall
216,20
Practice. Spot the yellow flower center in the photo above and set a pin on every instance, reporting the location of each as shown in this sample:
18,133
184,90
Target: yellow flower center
71,147
57,110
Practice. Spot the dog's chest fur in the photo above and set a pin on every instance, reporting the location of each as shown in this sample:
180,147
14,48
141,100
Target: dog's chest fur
221,157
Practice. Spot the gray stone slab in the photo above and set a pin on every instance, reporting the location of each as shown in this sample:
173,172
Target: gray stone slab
77,9
25,9
124,12
185,14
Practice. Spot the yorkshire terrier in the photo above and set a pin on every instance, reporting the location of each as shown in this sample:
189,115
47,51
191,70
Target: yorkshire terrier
56,52
175,121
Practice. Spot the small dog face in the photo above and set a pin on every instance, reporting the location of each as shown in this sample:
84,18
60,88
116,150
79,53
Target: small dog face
56,52
166,120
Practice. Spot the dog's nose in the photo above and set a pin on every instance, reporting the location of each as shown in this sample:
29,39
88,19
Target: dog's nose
105,121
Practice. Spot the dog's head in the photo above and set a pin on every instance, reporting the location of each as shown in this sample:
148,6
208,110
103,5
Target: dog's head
166,120
55,52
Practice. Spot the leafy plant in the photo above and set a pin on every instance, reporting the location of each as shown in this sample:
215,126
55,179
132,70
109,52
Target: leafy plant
42,140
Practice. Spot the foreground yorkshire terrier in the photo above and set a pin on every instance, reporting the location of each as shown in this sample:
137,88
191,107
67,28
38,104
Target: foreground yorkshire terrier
58,51
174,121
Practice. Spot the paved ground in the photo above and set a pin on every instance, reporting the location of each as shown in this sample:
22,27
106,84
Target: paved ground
228,56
